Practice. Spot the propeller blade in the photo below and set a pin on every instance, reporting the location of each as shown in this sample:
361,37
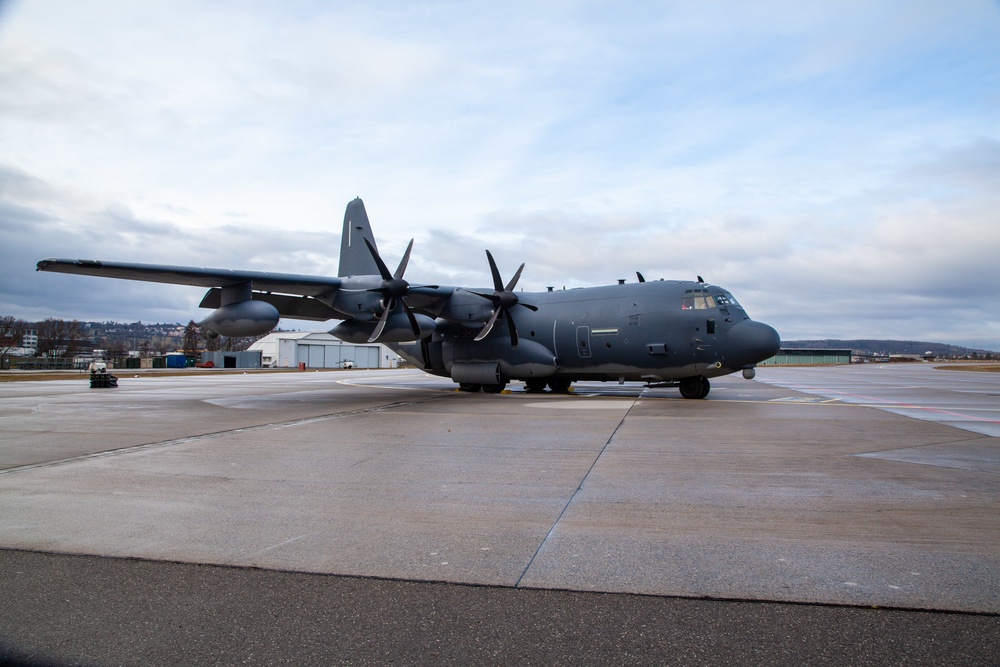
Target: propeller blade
512,328
517,276
413,320
403,262
380,327
528,306
488,297
425,352
382,268
489,325
497,281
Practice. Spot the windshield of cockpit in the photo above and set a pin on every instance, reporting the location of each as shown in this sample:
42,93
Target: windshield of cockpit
702,299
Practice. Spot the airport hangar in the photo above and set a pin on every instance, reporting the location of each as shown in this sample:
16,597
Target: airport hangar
319,349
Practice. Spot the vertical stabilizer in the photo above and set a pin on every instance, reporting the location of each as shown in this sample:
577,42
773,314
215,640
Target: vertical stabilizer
355,258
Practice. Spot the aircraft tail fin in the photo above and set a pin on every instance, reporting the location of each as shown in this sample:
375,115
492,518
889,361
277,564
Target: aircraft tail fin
355,258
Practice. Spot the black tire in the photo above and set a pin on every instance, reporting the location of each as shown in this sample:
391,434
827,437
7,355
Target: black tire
560,386
706,386
468,386
535,385
494,388
692,387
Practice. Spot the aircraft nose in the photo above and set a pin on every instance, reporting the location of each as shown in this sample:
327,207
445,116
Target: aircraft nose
752,342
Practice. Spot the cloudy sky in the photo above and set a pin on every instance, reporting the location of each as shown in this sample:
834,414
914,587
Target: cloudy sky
836,165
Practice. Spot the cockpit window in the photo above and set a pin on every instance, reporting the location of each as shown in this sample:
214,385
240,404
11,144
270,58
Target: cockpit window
696,299
726,299
700,299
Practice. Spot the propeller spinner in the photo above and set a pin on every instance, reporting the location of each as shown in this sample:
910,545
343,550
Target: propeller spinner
503,299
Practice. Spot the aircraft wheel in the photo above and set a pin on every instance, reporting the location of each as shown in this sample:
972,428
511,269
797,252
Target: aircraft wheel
706,386
560,386
694,387
468,386
494,388
535,385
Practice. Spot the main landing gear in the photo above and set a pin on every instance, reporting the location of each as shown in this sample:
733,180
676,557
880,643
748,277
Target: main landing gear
488,388
696,386
537,385
534,385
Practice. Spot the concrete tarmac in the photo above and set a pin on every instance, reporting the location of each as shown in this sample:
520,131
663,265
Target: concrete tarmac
810,496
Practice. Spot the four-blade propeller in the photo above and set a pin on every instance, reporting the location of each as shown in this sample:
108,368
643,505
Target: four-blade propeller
503,299
393,289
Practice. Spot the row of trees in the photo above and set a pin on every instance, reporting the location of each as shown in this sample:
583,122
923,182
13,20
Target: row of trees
56,338
64,339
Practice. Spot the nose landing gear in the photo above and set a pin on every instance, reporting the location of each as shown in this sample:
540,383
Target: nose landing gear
696,386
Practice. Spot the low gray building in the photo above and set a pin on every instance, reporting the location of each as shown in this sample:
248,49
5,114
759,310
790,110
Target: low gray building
244,359
319,349
800,356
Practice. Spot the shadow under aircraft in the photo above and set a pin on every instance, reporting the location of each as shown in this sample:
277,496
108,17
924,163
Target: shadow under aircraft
664,332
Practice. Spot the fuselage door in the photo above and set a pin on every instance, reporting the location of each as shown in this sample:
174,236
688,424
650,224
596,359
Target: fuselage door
583,342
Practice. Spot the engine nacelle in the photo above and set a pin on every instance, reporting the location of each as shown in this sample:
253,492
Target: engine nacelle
244,318
397,329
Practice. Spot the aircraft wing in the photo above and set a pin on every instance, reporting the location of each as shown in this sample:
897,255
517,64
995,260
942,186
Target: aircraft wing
263,281
314,296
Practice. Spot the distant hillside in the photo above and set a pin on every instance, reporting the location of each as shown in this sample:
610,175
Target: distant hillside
889,347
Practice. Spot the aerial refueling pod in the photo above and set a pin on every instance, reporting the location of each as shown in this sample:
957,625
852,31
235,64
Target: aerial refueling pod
397,329
238,314
246,318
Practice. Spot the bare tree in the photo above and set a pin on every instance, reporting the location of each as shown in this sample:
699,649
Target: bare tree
117,350
59,338
238,343
11,335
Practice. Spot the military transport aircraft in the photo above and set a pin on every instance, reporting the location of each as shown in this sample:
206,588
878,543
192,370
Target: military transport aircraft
664,333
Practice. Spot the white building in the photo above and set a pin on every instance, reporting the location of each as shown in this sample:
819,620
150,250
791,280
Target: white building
319,349
29,344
